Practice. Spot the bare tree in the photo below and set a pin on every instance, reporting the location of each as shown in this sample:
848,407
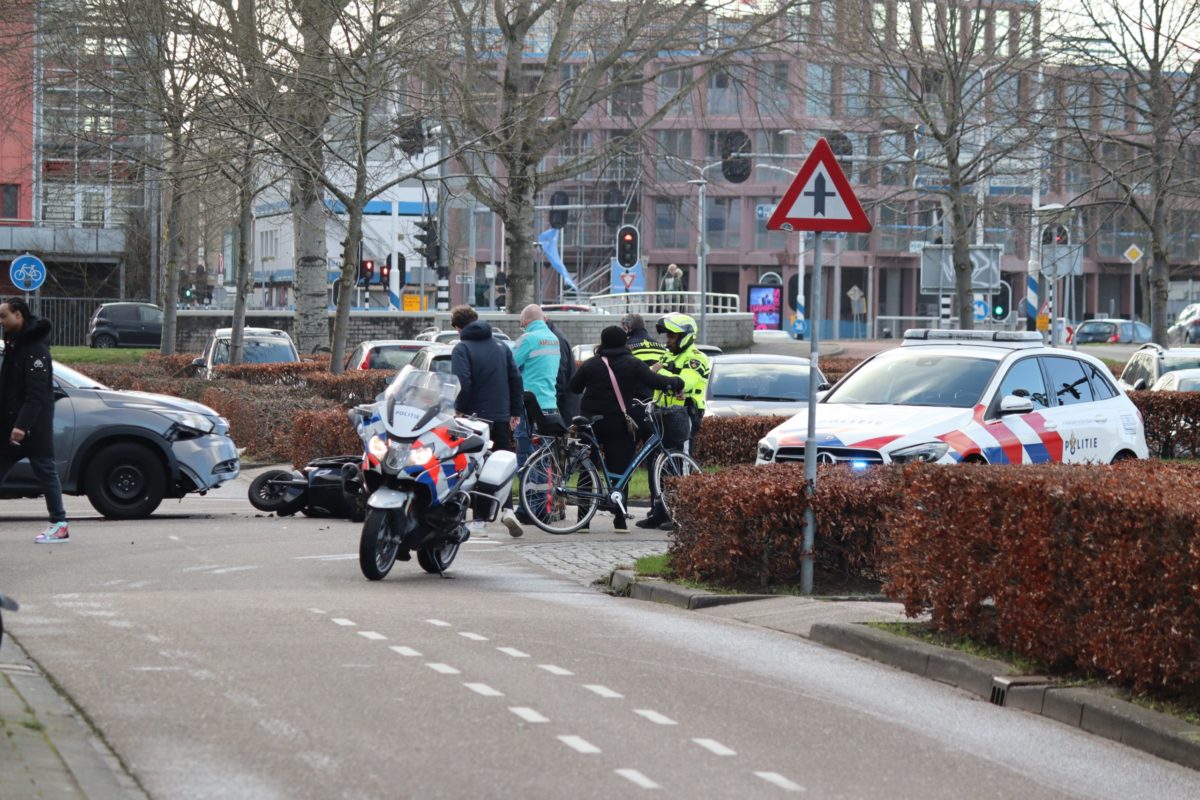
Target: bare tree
505,110
1129,119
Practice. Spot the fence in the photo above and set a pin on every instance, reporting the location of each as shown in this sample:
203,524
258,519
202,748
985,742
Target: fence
70,317
666,302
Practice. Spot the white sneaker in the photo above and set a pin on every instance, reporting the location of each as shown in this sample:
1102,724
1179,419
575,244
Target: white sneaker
477,528
55,532
509,518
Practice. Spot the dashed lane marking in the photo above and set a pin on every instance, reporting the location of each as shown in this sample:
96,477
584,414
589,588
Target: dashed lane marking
445,669
332,557
404,651
654,716
780,781
225,570
528,714
474,637
713,746
603,691
637,778
345,623
553,670
512,651
318,611
484,689
438,623
579,744
372,635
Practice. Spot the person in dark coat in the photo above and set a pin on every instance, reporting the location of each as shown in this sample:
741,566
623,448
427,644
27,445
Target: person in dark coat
27,408
490,386
568,401
593,382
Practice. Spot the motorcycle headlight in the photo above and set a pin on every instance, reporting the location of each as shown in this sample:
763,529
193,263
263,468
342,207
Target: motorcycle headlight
925,453
397,456
420,456
378,446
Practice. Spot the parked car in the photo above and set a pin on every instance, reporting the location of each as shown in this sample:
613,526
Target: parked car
450,337
1180,380
1186,329
262,346
583,352
434,357
740,385
127,451
575,309
1111,331
1152,361
126,325
384,354
950,396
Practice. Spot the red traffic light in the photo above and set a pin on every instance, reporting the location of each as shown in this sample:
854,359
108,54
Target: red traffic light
628,237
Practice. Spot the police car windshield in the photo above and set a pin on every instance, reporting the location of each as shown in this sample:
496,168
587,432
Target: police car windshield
909,378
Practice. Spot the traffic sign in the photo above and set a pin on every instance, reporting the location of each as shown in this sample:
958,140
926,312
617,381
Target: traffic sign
1133,254
27,273
820,198
980,308
764,210
628,278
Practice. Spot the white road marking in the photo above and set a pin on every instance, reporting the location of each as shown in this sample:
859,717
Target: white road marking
713,746
372,635
780,781
118,623
528,714
204,568
445,669
345,623
579,744
474,637
553,670
317,611
404,651
337,557
484,689
439,623
637,778
655,717
224,570
512,651
603,691
174,538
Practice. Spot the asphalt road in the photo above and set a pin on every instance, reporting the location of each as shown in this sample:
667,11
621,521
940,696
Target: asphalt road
223,654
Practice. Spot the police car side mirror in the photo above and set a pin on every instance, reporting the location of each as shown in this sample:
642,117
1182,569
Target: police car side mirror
824,387
1011,404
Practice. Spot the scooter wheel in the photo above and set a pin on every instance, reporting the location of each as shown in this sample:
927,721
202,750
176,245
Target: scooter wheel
272,491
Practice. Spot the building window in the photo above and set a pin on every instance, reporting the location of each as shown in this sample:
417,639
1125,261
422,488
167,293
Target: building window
670,84
894,229
725,87
673,161
770,241
670,226
58,202
856,91
773,98
819,91
723,218
626,101
10,194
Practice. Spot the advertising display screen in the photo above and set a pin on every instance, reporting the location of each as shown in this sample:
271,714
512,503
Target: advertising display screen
766,304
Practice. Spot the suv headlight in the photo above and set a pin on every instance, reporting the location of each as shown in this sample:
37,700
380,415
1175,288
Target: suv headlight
925,453
189,422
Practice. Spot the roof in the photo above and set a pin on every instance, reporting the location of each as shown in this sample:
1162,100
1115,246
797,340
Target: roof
415,344
981,339
754,358
221,333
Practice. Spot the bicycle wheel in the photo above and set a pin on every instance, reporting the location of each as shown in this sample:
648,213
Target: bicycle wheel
666,466
560,494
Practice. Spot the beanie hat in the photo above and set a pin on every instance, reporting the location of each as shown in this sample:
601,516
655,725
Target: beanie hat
613,336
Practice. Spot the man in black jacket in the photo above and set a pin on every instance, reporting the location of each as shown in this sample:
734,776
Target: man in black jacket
490,386
27,408
568,401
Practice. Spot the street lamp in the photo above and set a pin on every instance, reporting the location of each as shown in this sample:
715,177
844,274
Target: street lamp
702,246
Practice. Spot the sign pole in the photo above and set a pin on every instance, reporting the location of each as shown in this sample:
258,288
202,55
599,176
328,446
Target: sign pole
800,299
810,439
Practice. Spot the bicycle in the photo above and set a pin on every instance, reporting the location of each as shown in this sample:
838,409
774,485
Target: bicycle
562,477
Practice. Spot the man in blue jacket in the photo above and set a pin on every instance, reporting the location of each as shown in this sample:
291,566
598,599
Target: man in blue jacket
490,386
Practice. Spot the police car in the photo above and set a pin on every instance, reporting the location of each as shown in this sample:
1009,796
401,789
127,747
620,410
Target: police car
948,396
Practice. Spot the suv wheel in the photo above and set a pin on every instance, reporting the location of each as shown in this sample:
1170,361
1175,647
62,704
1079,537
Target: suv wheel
125,481
104,341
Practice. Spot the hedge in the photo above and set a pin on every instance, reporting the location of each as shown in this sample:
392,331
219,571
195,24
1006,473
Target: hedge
323,432
262,418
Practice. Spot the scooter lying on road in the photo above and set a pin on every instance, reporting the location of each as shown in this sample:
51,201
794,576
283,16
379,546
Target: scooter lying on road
9,604
422,469
316,491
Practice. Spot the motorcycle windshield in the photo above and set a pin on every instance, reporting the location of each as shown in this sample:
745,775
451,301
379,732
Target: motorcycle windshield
417,398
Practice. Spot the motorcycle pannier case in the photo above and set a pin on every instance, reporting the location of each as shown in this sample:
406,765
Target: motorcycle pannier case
495,480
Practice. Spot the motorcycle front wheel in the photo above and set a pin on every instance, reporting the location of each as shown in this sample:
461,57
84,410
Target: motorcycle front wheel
436,558
379,544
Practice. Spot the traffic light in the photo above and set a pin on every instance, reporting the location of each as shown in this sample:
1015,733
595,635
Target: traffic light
735,156
385,270
627,246
366,271
1056,234
1001,302
558,216
428,237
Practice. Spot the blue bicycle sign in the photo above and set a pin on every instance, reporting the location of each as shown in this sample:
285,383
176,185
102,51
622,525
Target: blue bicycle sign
27,273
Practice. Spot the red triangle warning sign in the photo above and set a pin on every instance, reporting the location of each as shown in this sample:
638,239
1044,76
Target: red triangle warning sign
820,198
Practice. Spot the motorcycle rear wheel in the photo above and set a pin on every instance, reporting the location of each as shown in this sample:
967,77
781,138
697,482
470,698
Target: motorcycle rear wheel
436,558
379,544
270,492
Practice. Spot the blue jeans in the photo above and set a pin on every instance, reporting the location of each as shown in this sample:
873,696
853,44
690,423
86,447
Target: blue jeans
47,476
524,441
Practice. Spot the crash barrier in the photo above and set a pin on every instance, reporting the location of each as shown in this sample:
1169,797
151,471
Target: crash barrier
1083,568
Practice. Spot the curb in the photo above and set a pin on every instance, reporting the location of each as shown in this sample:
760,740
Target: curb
1093,710
656,590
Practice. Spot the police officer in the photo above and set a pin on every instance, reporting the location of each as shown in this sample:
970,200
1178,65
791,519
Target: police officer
681,412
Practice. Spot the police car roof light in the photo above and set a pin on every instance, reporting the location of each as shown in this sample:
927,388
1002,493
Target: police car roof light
932,334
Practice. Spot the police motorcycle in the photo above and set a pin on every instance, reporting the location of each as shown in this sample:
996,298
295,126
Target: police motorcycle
422,468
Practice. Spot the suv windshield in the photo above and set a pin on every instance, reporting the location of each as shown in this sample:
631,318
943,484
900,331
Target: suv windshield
257,351
917,379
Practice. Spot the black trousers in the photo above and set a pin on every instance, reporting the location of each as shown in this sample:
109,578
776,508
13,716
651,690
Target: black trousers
502,439
47,475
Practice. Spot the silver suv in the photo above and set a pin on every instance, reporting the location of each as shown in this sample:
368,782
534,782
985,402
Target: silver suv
127,451
1151,361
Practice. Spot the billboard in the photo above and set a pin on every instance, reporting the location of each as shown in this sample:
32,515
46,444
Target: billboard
765,303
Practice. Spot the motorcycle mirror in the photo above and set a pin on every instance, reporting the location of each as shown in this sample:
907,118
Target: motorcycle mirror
473,444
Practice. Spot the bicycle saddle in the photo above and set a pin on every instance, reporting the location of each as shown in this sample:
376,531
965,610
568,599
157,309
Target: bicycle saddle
550,425
586,421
